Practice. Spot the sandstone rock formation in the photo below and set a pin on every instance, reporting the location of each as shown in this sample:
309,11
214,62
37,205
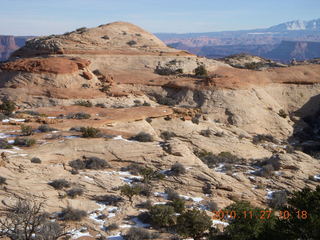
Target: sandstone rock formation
224,127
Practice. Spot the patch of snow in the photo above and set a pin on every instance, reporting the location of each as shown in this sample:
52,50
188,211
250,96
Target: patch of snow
160,203
125,226
11,141
55,131
8,151
217,222
89,178
316,177
119,137
78,233
51,117
16,148
161,194
94,216
23,155
3,135
70,137
140,224
13,119
195,199
270,194
220,168
116,237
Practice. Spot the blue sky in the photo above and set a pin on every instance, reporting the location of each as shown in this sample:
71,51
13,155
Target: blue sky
43,17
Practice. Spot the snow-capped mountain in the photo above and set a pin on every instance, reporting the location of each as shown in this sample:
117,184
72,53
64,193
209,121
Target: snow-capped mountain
297,25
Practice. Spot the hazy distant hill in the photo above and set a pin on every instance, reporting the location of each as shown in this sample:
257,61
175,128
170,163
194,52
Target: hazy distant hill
274,42
8,44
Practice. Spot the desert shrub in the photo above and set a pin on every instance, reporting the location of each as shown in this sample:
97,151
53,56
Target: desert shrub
4,144
2,116
162,216
166,135
30,112
26,130
282,113
131,43
24,142
178,169
165,71
139,233
113,226
211,205
26,220
145,189
83,103
193,223
178,204
253,65
207,188
201,71
146,104
278,200
206,132
162,100
81,30
133,168
89,163
130,191
172,194
59,184
108,199
267,170
2,180
46,128
147,204
142,137
79,115
75,192
263,138
71,214
100,105
7,106
96,163
212,159
90,132
149,174
35,160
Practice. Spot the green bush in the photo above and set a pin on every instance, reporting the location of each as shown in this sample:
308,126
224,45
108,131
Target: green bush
59,184
178,169
178,204
75,192
46,128
172,194
79,115
35,160
142,137
7,106
71,214
130,191
2,180
139,234
132,43
201,71
89,163
4,144
193,223
162,216
90,132
24,142
83,103
109,199
282,113
26,130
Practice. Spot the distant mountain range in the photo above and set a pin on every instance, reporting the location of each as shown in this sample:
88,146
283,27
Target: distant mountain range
296,39
283,42
8,44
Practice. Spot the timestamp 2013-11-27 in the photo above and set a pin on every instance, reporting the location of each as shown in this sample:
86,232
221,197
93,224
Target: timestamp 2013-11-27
262,214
